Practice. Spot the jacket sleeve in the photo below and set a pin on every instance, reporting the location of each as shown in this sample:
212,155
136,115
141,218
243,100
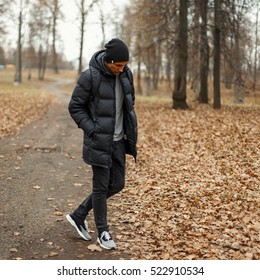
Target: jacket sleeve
79,103
133,92
131,79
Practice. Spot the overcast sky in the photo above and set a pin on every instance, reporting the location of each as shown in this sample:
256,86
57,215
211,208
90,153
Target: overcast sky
69,29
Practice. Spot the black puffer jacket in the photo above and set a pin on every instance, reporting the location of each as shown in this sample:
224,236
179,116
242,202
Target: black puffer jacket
94,112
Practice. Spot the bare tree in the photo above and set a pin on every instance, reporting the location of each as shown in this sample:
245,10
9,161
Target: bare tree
40,31
239,83
235,40
55,13
194,53
216,69
18,64
132,34
149,29
84,8
204,52
102,22
139,73
55,10
256,45
29,59
179,93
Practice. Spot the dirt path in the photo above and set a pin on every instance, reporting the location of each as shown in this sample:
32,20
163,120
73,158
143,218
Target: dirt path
42,179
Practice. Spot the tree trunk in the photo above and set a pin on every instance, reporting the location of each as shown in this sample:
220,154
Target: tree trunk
54,33
44,64
148,84
29,77
239,90
195,60
204,53
39,62
156,66
179,92
168,73
83,13
82,32
42,57
139,76
228,74
103,23
18,71
256,47
216,70
239,83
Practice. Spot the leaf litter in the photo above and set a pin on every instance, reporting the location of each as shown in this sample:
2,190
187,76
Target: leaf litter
194,192
20,108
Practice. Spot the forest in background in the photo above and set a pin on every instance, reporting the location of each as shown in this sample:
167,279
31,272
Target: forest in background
174,44
195,42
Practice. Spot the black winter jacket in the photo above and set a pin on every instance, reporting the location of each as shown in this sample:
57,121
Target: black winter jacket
92,107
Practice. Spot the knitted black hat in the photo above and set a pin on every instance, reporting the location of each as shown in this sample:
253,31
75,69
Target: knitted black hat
116,51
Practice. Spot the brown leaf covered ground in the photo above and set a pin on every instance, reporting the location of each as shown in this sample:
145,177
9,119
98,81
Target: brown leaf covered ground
194,193
20,105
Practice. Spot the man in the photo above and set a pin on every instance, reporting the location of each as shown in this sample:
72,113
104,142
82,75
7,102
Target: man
102,105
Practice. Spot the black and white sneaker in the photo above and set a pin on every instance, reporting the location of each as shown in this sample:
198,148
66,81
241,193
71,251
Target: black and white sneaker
80,225
105,241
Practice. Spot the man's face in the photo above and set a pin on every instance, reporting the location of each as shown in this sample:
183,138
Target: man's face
117,67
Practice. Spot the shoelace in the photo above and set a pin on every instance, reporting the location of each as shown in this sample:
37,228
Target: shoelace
105,235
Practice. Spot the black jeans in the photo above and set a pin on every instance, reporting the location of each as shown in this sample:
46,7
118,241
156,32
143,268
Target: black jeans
106,183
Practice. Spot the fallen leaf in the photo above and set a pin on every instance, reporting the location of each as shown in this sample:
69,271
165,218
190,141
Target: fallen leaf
13,250
58,213
94,247
53,254
78,184
249,256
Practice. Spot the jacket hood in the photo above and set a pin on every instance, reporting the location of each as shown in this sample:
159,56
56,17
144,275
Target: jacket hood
97,61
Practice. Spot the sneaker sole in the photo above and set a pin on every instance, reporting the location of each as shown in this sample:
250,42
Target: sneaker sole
70,220
103,246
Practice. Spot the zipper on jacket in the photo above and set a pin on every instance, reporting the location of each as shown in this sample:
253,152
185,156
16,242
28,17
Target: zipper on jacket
114,119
